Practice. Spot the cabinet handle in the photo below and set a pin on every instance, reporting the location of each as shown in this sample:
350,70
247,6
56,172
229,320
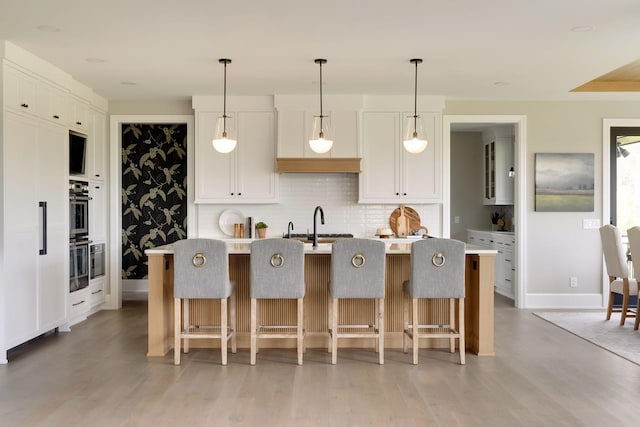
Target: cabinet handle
43,225
96,292
78,303
397,194
97,175
97,187
404,194
231,194
79,123
56,117
239,194
24,105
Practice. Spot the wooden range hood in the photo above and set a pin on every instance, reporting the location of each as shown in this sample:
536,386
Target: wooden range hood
315,165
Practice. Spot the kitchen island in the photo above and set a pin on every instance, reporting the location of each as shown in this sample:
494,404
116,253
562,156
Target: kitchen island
479,284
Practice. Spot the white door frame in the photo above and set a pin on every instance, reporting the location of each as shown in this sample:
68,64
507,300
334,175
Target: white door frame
115,168
520,208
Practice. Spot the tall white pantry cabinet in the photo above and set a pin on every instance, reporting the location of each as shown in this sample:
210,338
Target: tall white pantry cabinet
34,195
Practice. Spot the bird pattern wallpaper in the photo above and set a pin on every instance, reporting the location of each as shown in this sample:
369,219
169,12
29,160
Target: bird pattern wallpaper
154,191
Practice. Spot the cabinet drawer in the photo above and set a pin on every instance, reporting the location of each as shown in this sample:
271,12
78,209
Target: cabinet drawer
78,302
96,292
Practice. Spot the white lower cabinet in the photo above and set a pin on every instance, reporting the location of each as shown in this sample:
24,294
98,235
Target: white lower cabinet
35,242
79,304
96,292
247,174
504,271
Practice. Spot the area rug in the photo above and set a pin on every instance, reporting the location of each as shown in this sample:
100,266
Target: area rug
592,326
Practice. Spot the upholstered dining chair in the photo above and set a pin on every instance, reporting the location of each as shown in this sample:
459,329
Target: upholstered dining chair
437,272
618,271
634,243
277,272
201,271
357,272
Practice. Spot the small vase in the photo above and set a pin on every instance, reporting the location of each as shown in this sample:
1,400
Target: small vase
262,233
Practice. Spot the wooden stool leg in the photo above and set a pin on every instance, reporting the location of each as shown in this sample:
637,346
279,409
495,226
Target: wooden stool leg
253,331
381,331
223,329
330,324
461,340
610,305
334,328
405,321
186,324
234,330
452,324
300,330
625,308
376,324
415,330
177,330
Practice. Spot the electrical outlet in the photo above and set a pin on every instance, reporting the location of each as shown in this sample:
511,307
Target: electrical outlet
456,219
573,282
590,223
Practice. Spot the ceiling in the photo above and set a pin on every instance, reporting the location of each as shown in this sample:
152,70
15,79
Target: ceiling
494,49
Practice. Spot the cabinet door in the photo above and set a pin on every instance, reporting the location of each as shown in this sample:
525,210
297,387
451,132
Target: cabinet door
21,228
20,91
291,134
96,292
79,110
256,152
379,177
53,104
421,173
345,134
96,147
503,162
97,212
489,173
215,178
53,278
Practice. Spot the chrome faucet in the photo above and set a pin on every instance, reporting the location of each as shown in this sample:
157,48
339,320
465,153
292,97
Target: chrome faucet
289,228
315,224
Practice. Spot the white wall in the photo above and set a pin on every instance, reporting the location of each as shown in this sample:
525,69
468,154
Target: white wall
557,246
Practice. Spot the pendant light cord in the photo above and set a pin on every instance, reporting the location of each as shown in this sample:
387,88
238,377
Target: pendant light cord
224,103
415,102
321,132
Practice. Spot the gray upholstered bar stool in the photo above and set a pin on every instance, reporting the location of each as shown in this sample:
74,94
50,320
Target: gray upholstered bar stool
437,271
277,272
201,271
357,271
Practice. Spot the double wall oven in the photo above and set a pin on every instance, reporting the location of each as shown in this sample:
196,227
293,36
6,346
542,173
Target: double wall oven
78,235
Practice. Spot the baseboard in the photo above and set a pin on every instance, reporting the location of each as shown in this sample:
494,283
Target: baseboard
564,301
135,290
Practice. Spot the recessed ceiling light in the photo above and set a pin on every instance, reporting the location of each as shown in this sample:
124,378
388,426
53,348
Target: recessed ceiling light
128,83
94,60
48,28
501,83
582,29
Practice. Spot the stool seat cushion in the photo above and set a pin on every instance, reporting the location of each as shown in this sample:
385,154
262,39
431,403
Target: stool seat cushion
617,286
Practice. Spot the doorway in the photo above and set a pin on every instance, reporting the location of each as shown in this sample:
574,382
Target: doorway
518,123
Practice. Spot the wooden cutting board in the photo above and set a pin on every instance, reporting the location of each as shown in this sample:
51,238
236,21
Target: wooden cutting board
413,220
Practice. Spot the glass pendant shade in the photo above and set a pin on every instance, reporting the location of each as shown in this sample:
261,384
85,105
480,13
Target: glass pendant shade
221,141
320,139
414,140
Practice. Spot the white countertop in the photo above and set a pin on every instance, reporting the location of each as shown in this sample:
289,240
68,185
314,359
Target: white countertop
506,233
243,246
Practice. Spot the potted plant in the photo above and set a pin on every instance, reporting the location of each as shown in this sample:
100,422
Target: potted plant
261,230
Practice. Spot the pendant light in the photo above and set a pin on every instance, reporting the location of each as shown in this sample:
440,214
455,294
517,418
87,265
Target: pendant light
414,139
220,141
320,142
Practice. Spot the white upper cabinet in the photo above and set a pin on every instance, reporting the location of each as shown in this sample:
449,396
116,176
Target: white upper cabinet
295,116
53,103
79,114
497,161
97,146
20,91
390,174
247,174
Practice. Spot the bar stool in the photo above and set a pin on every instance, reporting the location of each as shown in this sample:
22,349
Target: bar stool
201,271
634,245
277,272
437,271
357,271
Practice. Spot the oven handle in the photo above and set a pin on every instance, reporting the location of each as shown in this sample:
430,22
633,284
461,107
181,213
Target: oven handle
80,198
43,227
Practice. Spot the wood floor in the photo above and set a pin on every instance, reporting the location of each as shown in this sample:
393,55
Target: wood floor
98,375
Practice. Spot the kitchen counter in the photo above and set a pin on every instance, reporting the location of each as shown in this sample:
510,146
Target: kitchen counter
478,303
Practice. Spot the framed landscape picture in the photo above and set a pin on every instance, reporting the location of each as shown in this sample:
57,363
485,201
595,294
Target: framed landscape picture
564,182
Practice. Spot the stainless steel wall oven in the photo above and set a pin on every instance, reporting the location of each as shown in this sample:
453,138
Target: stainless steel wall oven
78,235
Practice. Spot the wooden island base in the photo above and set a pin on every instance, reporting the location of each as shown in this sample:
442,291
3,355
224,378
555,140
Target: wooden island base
478,305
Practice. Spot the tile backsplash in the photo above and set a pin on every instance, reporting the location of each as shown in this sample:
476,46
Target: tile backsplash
300,193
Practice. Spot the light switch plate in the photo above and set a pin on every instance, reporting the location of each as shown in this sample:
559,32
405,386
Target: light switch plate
590,223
